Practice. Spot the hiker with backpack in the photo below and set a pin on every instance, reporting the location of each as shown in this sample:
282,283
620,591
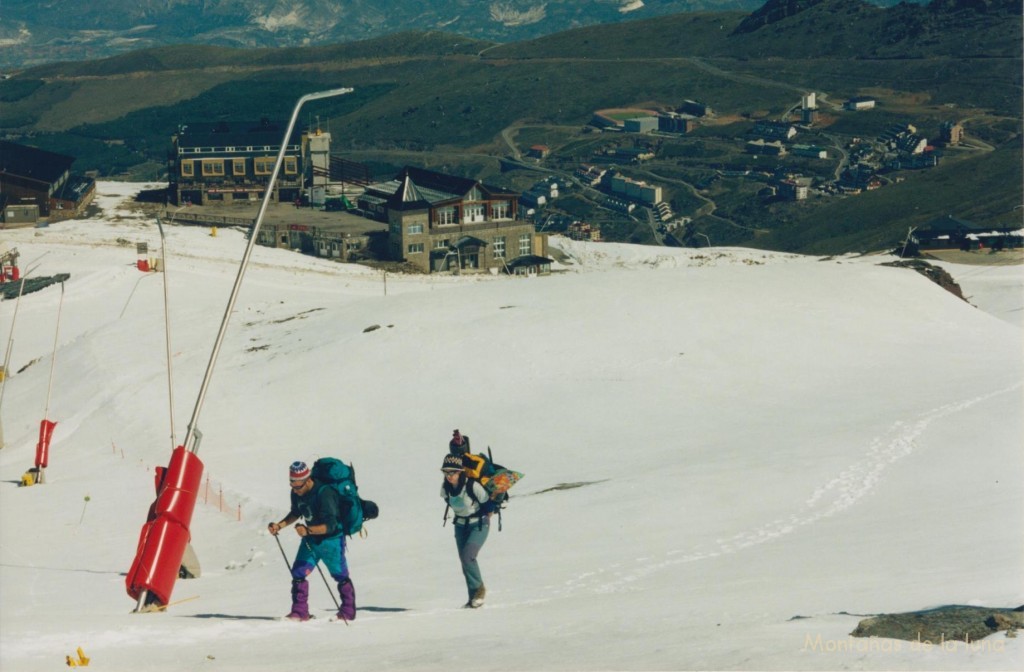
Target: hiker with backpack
322,539
472,506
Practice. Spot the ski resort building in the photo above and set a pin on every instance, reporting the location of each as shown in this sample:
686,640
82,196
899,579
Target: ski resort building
439,222
232,161
35,177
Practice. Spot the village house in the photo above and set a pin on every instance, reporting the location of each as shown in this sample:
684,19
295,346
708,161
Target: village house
590,175
774,130
951,132
912,144
858,178
583,231
858,103
695,108
635,189
914,162
673,122
37,183
795,188
539,152
439,222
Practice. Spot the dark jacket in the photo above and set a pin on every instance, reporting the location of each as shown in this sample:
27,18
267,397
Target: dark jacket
322,505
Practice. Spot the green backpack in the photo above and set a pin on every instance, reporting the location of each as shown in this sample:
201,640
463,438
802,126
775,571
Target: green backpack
333,473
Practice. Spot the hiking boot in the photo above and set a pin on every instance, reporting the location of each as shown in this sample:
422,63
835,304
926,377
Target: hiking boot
477,600
300,601
347,591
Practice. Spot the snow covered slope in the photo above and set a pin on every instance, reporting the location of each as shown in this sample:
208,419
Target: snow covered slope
714,442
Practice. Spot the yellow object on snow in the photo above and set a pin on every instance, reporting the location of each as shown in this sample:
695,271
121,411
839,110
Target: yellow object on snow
81,662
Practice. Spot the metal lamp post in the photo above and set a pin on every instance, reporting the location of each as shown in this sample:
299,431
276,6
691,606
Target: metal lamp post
165,534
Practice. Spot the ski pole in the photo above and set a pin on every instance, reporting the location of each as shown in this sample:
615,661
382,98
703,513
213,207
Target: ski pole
283,554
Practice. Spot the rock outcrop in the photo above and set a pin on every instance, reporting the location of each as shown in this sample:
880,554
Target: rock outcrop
949,623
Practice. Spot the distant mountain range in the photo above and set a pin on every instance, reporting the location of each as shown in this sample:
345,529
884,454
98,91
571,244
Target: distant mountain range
33,32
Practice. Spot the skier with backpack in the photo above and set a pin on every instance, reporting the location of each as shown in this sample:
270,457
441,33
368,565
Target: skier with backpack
472,506
327,513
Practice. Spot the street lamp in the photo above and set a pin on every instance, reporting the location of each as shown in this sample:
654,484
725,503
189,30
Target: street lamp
165,534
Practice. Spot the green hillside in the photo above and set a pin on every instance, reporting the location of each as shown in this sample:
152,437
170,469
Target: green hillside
470,107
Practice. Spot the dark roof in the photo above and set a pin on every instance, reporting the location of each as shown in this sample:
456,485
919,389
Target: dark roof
75,188
33,163
469,240
419,188
529,260
235,134
456,186
948,224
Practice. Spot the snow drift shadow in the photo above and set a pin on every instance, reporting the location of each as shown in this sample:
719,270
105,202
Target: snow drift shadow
231,617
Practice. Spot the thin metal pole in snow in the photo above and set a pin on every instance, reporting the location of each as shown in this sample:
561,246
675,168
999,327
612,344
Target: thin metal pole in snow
189,443
167,329
10,344
53,360
10,338
53,366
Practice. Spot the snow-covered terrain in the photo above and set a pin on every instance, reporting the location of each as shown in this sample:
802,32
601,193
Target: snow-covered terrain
750,438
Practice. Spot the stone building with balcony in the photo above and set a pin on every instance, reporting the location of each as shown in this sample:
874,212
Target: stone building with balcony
443,223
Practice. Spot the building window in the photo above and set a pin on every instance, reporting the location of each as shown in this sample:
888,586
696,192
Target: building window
238,166
474,213
213,168
263,165
441,244
291,165
446,216
524,244
499,247
414,248
500,210
415,229
188,168
395,228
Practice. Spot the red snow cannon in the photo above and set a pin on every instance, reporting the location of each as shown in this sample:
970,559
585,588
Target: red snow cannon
165,535
43,447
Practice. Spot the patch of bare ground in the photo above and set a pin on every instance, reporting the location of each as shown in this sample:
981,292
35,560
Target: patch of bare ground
978,257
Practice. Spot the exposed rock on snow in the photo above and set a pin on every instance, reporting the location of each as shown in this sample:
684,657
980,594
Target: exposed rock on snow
949,623
937,275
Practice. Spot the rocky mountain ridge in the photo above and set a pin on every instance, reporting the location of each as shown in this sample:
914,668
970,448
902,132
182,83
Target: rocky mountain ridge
34,32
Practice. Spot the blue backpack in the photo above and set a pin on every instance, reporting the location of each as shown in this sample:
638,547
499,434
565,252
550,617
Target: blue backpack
335,474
